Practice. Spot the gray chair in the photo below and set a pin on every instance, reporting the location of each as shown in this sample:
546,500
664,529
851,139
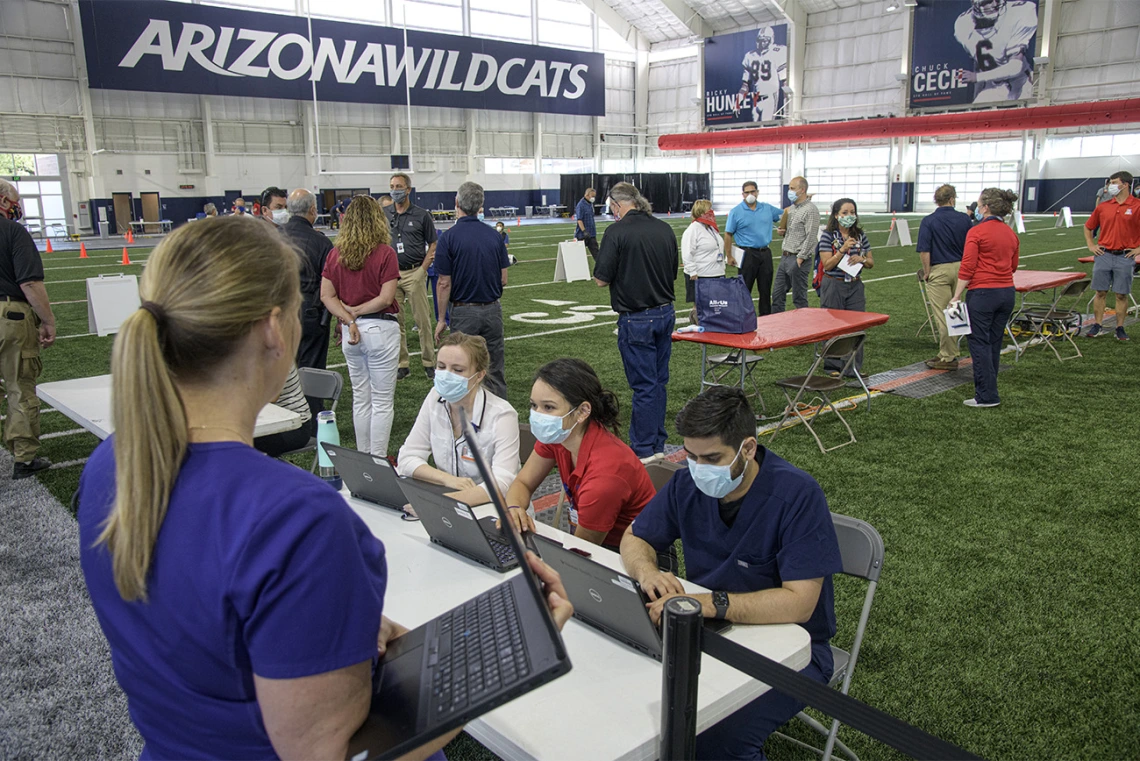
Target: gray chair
821,386
324,385
861,548
929,324
526,442
660,471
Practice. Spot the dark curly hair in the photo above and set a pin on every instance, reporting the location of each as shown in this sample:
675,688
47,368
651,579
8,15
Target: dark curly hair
578,383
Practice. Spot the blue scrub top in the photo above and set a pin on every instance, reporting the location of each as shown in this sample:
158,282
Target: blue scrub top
259,568
783,532
752,228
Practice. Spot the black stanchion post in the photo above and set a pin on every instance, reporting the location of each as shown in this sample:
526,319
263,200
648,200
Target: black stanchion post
681,664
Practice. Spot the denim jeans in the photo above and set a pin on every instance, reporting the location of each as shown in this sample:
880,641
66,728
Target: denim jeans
645,345
990,309
372,366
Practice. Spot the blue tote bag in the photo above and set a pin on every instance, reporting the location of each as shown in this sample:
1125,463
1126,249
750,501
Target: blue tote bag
724,305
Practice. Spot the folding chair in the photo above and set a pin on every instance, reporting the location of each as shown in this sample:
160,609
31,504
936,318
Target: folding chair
1059,319
526,442
929,324
724,369
324,385
861,548
660,471
820,386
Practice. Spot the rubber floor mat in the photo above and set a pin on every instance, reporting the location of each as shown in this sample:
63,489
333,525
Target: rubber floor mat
918,381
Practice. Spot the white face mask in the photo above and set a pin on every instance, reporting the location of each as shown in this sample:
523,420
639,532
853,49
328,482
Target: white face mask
1112,190
750,199
280,216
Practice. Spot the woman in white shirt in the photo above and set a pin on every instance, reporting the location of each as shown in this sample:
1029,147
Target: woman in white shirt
702,250
461,366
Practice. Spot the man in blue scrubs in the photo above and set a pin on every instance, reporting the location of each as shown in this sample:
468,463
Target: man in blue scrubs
750,228
757,531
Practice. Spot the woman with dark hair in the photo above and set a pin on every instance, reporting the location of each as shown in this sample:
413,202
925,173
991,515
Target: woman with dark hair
839,288
575,420
988,263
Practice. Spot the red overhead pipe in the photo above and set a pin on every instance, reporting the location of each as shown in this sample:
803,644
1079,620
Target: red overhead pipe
962,123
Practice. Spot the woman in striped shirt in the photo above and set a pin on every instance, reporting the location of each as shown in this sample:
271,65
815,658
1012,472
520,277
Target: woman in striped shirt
292,398
839,289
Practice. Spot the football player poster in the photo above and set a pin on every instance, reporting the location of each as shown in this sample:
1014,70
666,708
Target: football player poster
745,74
972,51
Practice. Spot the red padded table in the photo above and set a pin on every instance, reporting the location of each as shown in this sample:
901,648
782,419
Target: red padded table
1026,281
1086,259
776,331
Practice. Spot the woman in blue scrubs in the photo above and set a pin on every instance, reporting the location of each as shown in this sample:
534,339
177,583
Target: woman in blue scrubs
241,597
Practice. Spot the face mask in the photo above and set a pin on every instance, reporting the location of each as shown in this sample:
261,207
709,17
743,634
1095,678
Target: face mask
1112,190
548,428
280,216
792,195
480,216
716,480
848,220
451,386
399,195
15,213
239,210
499,229
978,215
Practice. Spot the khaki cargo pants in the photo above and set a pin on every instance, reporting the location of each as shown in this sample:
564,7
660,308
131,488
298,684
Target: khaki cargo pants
20,365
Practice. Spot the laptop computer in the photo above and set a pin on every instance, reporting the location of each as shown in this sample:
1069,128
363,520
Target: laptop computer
608,600
371,478
468,661
451,524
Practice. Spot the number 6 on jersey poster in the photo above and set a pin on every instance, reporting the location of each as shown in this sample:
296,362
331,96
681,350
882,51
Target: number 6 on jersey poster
745,74
972,51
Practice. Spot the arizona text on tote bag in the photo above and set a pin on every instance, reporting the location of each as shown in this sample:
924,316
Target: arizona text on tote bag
724,305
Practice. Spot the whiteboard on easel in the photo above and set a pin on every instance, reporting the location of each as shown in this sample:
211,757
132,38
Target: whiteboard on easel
110,300
900,233
571,264
1065,219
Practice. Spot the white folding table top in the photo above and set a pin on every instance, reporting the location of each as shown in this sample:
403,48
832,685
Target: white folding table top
87,401
609,705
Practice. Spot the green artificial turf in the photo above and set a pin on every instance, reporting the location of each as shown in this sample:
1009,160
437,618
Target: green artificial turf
1006,617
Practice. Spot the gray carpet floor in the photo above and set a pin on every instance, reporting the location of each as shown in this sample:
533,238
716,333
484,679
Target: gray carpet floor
58,695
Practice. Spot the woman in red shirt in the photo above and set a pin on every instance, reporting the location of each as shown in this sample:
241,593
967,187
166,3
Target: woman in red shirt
575,420
358,287
988,264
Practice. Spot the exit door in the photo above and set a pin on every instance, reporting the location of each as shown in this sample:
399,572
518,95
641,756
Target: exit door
123,212
152,212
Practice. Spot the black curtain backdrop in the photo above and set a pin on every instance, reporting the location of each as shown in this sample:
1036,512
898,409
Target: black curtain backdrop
666,192
574,187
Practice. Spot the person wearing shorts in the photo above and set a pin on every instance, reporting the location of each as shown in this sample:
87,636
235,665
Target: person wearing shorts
1115,250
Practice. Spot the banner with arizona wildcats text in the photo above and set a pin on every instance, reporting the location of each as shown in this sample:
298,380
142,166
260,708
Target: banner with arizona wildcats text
745,74
968,52
157,46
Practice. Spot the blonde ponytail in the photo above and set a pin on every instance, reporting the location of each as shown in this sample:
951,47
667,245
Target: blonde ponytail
204,288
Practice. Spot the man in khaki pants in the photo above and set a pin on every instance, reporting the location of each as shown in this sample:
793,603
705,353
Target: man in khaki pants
413,237
941,240
26,324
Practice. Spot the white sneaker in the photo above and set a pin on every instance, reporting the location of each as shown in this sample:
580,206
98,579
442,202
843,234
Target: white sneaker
976,403
652,458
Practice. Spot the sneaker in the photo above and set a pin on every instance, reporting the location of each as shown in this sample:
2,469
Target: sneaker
27,469
402,373
976,403
652,458
1094,331
1121,335
430,373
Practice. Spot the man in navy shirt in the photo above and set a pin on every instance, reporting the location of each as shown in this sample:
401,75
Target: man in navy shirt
941,240
757,531
585,230
750,227
471,259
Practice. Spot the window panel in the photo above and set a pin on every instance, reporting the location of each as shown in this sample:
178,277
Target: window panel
501,25
53,206
47,164
28,187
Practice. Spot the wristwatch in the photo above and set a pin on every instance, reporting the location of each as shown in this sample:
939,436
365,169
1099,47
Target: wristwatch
720,602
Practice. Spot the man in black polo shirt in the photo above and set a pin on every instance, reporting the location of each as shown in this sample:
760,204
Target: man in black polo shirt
413,237
26,324
471,260
941,241
314,246
638,261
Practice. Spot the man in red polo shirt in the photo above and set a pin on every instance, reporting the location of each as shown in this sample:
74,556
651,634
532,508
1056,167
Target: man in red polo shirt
1117,252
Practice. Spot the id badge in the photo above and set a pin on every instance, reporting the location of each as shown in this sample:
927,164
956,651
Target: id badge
400,247
573,516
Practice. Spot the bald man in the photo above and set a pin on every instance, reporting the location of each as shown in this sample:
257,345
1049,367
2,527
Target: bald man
314,247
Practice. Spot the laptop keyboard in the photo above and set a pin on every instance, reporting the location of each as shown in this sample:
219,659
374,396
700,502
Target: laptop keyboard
478,652
503,551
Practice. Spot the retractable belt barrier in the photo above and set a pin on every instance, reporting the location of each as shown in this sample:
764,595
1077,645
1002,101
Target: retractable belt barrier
678,707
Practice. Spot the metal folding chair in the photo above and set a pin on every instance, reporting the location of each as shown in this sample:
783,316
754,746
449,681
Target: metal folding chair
324,385
861,548
719,369
1060,319
526,442
820,387
929,324
660,471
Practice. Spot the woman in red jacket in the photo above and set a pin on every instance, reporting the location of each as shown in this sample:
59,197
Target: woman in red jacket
988,264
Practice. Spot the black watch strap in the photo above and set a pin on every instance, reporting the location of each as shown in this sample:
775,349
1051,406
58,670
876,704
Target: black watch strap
720,602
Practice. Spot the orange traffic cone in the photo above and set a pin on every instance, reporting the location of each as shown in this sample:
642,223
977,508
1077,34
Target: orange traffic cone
83,251
126,259
49,246
130,236
518,222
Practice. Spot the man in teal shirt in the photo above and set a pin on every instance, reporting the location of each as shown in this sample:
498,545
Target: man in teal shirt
750,227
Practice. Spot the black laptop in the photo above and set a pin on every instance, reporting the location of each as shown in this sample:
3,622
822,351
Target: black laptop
451,524
372,478
468,661
608,600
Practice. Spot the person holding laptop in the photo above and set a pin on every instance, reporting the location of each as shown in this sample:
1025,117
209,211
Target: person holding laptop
757,531
241,596
461,365
574,420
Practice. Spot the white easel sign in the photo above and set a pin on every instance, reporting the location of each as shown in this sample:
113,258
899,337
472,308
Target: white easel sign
110,300
571,264
900,234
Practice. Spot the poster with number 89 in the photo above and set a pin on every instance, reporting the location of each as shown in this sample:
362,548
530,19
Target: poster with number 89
745,75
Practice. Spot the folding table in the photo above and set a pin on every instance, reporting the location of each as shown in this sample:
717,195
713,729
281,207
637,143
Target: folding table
1034,281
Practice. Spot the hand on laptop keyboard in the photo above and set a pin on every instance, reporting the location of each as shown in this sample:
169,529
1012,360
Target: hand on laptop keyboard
521,518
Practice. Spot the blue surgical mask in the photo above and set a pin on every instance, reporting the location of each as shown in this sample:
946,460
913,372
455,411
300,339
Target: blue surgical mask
548,428
451,386
978,215
480,216
716,480
792,195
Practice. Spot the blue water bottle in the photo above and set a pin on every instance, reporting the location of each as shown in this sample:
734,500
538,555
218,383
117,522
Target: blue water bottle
327,433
